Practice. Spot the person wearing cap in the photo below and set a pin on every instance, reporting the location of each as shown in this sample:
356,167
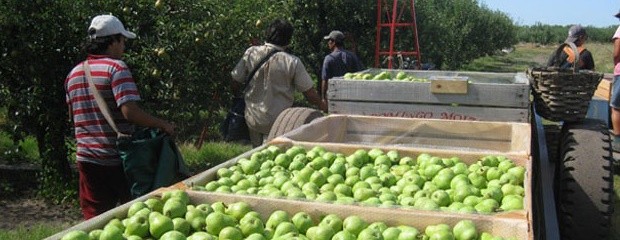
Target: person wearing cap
614,101
566,58
271,88
102,181
338,62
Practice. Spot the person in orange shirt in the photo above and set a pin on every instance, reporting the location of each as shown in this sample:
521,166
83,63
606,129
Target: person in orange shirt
565,59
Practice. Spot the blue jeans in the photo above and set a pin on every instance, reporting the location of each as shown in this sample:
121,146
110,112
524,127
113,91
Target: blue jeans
614,100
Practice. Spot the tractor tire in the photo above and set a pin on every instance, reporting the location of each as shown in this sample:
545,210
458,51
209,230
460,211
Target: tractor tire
584,181
292,118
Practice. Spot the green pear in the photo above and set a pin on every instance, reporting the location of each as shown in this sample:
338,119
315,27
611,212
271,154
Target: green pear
285,228
175,208
196,218
135,207
94,234
333,221
159,224
344,235
155,204
465,230
512,202
354,224
201,236
181,194
408,232
250,224
137,225
238,209
173,235
182,225
302,221
276,218
217,221
117,223
255,236
230,233
75,235
111,232
370,234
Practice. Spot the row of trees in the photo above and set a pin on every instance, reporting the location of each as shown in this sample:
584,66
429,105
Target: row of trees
554,34
186,49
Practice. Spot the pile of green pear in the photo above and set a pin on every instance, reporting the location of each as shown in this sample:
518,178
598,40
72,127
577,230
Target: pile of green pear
384,75
173,217
373,177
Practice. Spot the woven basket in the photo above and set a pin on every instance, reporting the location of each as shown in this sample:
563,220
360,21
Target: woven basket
563,94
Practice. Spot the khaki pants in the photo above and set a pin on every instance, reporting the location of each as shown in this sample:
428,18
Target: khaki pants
257,138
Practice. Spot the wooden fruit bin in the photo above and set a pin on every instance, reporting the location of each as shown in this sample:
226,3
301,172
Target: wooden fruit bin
483,96
523,217
504,227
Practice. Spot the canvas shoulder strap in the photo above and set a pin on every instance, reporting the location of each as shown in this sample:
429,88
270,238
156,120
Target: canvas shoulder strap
103,106
260,64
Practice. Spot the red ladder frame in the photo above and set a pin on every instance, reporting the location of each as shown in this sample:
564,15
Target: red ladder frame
393,21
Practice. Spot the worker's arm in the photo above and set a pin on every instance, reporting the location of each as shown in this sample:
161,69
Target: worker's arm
313,97
134,114
616,51
324,89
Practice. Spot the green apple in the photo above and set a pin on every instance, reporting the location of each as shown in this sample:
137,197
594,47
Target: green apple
230,233
75,235
175,207
137,225
354,224
276,218
465,230
250,224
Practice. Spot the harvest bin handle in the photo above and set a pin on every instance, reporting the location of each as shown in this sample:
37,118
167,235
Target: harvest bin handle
448,85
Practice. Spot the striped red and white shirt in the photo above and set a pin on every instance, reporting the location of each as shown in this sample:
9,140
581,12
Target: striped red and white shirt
96,140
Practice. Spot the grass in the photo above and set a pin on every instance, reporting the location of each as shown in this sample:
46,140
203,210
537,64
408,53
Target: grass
38,231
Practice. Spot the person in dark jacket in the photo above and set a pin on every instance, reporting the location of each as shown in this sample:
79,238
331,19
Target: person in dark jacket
338,62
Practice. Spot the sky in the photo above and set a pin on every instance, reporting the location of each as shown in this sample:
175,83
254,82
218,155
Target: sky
597,13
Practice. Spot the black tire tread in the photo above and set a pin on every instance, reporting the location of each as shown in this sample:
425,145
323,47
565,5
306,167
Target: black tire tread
585,181
292,118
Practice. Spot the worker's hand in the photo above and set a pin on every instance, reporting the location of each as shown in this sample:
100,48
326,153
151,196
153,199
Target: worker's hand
323,105
168,128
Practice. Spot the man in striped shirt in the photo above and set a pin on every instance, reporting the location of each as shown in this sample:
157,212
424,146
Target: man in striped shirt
102,182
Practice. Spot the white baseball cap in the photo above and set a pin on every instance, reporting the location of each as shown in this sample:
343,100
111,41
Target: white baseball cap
107,25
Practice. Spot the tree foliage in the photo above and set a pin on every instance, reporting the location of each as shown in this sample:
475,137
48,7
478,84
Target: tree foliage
185,50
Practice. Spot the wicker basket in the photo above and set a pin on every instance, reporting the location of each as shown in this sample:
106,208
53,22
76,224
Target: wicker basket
563,94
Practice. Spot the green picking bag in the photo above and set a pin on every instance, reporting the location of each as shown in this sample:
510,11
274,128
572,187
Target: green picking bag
151,160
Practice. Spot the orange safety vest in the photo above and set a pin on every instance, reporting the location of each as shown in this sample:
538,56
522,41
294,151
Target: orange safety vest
571,56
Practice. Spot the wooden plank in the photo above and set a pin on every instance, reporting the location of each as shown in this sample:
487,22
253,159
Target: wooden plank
484,89
448,87
604,89
447,112
480,136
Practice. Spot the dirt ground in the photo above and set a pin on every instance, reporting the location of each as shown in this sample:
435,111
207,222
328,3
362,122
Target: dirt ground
26,209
